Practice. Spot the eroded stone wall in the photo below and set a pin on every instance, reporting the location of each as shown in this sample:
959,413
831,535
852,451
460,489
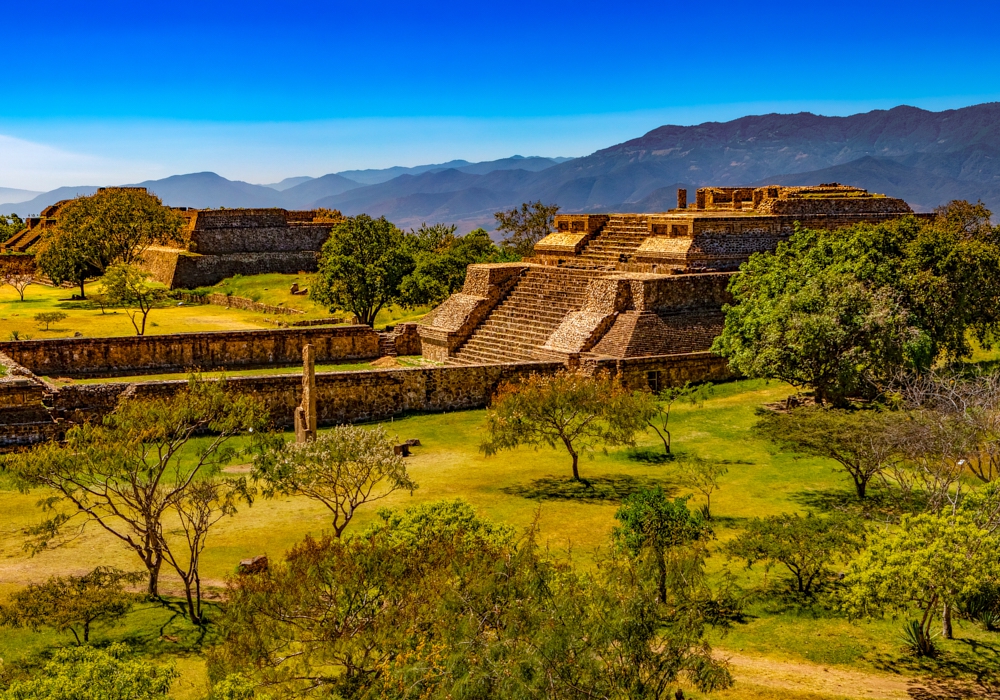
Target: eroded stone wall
76,357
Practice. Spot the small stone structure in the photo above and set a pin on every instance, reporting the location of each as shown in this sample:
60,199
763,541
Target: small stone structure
216,244
305,413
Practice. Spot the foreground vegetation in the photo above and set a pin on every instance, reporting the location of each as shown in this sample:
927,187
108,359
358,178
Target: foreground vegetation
526,486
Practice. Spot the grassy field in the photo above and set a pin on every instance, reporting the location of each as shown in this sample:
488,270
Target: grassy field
785,649
356,366
87,318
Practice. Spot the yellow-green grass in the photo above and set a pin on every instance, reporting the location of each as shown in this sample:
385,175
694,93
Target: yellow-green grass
518,486
275,289
359,365
87,318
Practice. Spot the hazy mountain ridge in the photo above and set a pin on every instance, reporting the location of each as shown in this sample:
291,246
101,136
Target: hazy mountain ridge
927,158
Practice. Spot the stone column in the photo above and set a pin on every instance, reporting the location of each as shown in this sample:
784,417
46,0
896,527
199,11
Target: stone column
699,199
737,202
682,198
305,413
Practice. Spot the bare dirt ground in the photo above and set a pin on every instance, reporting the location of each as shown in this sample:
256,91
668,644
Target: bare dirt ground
840,682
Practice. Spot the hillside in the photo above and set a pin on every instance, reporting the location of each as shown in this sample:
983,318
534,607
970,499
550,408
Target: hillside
926,158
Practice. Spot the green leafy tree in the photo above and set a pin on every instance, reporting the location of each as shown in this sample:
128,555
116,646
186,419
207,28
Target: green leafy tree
128,287
115,225
659,419
524,227
571,409
47,318
86,673
931,563
72,603
66,257
18,271
343,469
861,442
701,475
806,547
663,529
127,474
362,267
10,225
434,602
842,311
441,262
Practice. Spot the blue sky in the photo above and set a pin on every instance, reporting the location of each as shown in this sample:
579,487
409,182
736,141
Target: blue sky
124,91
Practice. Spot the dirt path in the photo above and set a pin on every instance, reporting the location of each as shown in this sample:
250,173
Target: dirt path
806,677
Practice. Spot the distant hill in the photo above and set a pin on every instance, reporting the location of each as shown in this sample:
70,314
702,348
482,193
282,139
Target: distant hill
926,158
9,194
288,182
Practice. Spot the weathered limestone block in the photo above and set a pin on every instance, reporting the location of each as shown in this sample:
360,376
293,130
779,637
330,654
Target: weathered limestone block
305,414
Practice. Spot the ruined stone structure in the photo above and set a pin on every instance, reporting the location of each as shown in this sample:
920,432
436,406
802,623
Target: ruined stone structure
216,244
305,413
626,286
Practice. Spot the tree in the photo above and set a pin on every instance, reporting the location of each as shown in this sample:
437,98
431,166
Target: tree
436,602
577,411
441,261
861,442
198,508
72,603
659,421
806,547
18,271
653,524
343,469
933,562
66,257
362,266
526,226
843,311
701,475
47,318
115,225
10,225
126,474
86,673
126,286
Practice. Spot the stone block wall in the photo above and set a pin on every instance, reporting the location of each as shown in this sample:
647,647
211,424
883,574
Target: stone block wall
80,357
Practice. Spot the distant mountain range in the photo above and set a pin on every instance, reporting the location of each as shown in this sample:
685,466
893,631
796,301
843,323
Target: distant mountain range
927,158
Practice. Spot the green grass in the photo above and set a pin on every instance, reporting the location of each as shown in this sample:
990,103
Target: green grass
274,289
88,319
359,365
518,486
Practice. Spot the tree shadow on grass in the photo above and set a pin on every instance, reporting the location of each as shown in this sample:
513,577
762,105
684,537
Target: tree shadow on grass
972,670
649,455
599,489
877,505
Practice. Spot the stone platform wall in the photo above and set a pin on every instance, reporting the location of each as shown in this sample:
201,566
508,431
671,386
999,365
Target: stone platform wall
81,357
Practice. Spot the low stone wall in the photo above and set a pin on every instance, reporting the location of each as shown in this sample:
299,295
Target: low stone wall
79,357
670,370
233,302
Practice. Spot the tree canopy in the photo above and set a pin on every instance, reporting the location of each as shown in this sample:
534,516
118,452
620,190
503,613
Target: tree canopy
524,227
10,224
843,311
362,266
571,409
115,225
128,287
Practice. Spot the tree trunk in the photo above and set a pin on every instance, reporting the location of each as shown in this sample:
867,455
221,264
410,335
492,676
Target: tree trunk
661,578
861,486
83,293
576,471
946,630
86,631
153,588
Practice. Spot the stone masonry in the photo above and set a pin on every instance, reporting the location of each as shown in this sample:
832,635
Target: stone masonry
626,286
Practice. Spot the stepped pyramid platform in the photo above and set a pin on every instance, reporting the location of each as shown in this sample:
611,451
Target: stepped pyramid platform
632,287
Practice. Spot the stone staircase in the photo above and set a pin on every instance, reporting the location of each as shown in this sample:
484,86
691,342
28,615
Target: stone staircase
616,243
21,241
518,327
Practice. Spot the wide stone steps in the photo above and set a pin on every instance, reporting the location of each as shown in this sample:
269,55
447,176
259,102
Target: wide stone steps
616,243
520,325
23,240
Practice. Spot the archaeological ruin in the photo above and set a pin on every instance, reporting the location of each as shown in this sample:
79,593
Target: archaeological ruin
629,286
639,295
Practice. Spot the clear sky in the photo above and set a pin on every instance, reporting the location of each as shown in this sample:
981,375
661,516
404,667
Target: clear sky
101,92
